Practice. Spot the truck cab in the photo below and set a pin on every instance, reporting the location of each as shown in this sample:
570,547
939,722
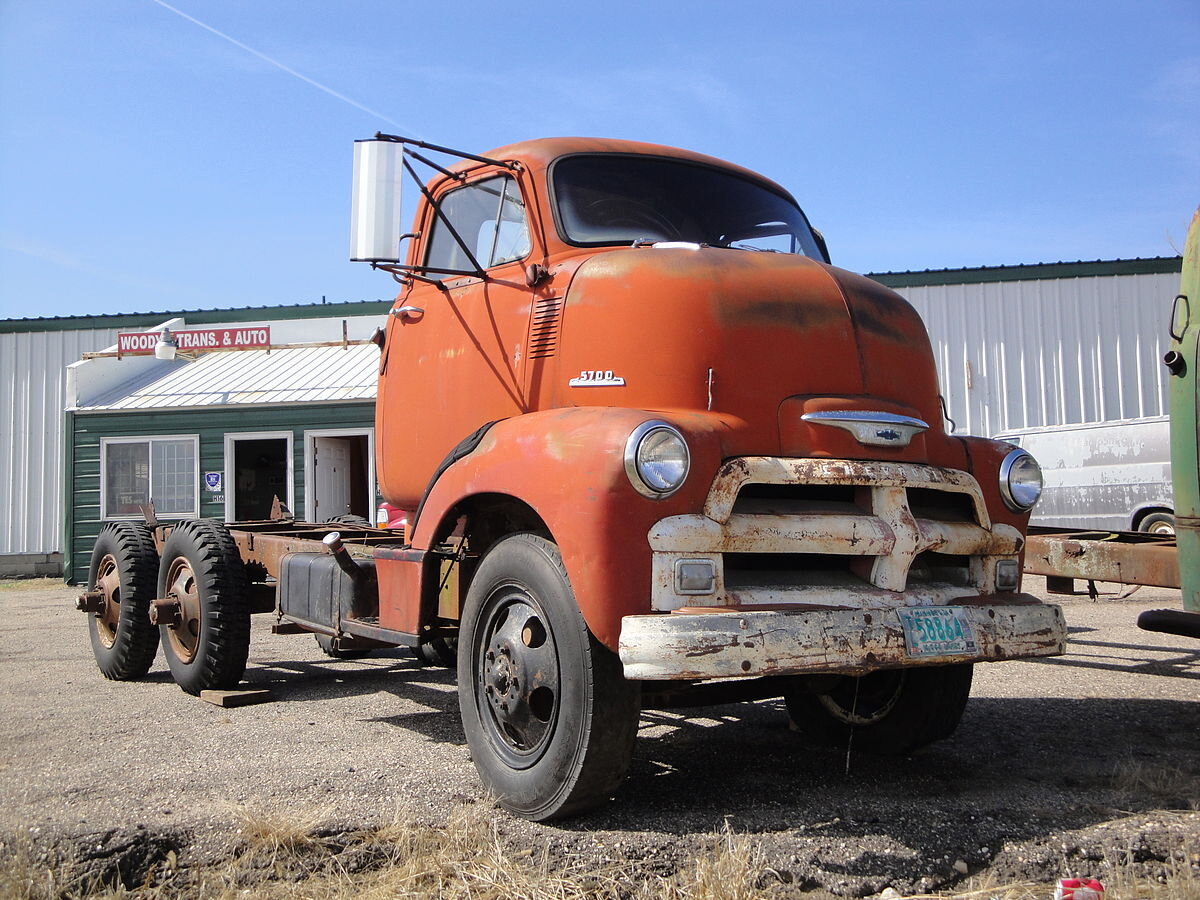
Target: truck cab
668,442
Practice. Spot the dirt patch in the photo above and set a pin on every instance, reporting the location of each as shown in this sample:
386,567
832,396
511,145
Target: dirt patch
1083,765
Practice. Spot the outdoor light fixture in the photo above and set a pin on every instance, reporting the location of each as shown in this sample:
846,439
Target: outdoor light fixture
166,346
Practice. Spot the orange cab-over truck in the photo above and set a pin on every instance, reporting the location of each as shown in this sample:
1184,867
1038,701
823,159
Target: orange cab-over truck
652,446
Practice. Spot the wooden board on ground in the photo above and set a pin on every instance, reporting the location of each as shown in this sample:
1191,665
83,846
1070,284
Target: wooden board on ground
237,698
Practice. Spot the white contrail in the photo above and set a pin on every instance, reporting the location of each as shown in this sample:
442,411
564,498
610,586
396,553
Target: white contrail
279,65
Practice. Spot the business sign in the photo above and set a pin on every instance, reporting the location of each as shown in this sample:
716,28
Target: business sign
197,339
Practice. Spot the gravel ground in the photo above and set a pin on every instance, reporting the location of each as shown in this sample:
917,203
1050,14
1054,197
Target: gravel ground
1059,765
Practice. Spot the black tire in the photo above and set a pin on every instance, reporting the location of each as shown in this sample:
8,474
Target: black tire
349,519
549,717
1158,523
892,712
201,568
125,569
441,652
325,642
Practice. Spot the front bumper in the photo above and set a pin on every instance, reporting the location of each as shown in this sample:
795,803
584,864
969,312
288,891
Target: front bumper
700,644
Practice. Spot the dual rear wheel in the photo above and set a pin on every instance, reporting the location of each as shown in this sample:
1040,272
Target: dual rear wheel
203,618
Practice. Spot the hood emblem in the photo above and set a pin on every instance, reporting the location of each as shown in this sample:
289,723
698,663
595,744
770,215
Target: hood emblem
873,429
597,378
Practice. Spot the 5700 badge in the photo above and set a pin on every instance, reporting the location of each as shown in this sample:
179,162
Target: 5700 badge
597,378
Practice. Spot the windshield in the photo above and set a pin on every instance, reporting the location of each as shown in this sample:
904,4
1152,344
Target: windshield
619,199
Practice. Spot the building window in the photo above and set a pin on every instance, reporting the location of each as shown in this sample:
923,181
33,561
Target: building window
162,470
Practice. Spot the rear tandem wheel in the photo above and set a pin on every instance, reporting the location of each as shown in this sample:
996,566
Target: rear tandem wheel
123,569
205,635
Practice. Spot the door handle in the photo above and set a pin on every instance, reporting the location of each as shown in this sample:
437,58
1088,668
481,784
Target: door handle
408,312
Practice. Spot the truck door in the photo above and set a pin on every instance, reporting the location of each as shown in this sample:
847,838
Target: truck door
456,359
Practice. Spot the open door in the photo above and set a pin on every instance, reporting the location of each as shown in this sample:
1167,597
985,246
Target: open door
258,468
341,481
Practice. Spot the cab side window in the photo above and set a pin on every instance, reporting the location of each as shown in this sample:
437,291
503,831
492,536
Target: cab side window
489,216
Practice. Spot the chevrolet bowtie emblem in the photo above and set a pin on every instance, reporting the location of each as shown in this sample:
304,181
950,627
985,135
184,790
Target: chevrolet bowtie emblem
877,429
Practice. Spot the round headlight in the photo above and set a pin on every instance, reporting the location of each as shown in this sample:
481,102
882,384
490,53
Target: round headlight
1020,481
656,459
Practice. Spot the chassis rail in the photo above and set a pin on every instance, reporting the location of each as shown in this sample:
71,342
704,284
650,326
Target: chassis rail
1126,557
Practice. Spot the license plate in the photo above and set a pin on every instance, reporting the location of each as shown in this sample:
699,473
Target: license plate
937,631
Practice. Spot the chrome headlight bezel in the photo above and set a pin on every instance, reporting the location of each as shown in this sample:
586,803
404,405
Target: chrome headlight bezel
1007,492
646,481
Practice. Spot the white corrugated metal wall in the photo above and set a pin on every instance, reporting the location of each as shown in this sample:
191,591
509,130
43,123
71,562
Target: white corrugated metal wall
1010,354
1061,351
32,373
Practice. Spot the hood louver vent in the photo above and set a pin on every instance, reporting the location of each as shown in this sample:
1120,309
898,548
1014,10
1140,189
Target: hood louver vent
543,332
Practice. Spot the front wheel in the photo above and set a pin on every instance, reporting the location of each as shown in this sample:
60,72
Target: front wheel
890,712
548,714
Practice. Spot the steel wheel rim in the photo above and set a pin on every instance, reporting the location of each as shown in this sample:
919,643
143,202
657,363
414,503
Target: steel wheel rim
181,585
867,699
108,581
517,679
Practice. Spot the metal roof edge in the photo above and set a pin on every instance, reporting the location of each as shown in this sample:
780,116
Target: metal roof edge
203,407
1155,265
199,316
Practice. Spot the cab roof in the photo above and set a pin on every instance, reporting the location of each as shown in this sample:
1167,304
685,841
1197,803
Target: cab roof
539,153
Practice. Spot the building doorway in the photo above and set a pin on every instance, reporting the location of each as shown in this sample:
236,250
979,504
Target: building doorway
258,468
340,470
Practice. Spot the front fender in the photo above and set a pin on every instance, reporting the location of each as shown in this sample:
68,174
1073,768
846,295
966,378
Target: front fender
568,466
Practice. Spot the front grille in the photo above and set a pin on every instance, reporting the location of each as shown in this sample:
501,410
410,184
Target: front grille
799,499
868,535
836,532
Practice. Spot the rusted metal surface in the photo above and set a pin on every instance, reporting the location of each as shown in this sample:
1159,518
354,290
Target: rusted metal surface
166,611
265,543
183,607
776,470
728,644
108,611
90,602
1126,557
881,538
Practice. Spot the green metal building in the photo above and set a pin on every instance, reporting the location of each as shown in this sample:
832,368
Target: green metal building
221,435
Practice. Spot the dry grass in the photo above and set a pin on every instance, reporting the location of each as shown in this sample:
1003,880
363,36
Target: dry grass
286,854
1167,786
31,584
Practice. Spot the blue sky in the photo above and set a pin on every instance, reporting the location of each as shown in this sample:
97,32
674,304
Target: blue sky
148,164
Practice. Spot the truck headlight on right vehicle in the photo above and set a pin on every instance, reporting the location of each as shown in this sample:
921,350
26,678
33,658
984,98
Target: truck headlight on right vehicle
1020,481
656,459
